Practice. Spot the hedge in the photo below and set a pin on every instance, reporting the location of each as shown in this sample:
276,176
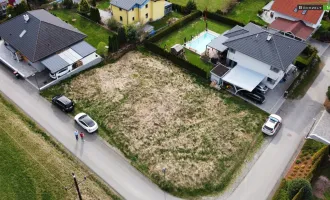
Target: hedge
317,159
178,61
175,26
281,188
301,63
222,19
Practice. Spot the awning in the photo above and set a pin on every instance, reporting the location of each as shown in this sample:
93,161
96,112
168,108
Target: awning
83,48
54,63
243,78
217,43
70,56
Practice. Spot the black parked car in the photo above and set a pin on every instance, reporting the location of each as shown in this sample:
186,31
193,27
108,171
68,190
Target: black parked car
63,103
254,96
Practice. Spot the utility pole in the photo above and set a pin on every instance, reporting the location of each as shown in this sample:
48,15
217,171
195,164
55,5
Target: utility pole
76,185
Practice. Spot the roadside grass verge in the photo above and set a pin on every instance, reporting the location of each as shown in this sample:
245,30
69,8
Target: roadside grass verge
95,33
211,5
34,166
247,10
160,116
163,21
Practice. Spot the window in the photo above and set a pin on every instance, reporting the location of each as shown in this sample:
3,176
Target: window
147,15
132,9
231,50
146,5
133,18
304,12
121,18
295,9
120,9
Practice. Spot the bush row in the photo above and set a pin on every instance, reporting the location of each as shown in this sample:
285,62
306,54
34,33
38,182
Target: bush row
302,63
281,193
222,19
178,61
175,26
317,159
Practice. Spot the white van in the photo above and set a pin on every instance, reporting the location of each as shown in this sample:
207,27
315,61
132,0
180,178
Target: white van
61,72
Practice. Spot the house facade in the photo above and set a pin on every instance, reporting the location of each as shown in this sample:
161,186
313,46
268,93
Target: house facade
284,16
255,56
137,11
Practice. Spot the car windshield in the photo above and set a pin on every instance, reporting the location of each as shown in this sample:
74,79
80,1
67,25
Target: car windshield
268,128
273,120
87,120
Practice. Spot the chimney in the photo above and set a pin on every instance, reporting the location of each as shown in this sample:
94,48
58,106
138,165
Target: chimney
269,37
26,18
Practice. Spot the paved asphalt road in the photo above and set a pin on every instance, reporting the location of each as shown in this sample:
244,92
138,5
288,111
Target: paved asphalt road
105,161
116,171
297,120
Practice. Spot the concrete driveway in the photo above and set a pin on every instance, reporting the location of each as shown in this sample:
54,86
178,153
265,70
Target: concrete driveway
105,16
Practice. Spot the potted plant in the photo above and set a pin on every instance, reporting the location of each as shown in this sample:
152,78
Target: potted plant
327,100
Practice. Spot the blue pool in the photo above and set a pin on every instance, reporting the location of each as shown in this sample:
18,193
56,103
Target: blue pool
199,44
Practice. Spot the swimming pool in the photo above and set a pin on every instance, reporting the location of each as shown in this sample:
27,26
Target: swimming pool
199,43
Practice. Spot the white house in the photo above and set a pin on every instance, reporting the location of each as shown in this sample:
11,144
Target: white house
283,15
256,55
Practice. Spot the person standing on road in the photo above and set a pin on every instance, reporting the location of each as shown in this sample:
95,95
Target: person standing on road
76,134
82,135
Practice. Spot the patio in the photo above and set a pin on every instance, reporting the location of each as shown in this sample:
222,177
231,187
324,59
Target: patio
8,58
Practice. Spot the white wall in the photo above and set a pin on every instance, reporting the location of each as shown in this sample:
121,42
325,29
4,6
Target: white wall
253,64
277,14
215,78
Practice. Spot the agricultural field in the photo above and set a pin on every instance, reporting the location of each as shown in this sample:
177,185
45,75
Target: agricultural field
192,29
210,5
33,166
160,116
95,33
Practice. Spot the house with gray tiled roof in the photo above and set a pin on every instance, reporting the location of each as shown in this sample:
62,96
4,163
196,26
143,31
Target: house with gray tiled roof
43,42
256,55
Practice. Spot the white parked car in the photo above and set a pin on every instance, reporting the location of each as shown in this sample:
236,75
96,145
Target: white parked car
61,72
86,122
272,125
262,88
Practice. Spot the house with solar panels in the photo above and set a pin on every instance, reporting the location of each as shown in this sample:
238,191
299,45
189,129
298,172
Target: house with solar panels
38,42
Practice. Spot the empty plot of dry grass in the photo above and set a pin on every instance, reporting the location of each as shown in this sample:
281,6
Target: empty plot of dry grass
161,117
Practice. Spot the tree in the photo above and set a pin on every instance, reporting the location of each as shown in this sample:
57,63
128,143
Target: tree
295,185
68,4
21,8
131,33
101,49
113,24
113,43
93,3
190,6
84,7
95,14
122,36
55,6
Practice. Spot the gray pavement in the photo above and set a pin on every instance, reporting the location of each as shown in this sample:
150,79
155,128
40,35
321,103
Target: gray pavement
105,16
101,158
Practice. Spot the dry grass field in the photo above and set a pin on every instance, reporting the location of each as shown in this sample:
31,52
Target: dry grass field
160,116
33,166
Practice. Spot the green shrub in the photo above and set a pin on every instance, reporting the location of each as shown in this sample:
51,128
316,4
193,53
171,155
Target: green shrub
55,6
68,4
328,93
84,7
95,15
93,3
190,6
101,49
260,12
295,185
280,190
131,33
122,38
283,195
298,161
113,43
113,24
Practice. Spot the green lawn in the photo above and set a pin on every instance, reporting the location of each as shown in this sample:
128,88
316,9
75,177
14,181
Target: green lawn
163,22
211,5
247,10
103,5
95,33
192,29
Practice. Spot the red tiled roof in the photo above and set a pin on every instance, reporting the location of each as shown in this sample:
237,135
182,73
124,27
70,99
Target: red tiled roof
287,7
297,28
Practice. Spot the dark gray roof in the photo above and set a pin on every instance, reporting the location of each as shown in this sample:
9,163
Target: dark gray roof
126,4
279,52
54,63
45,34
237,30
217,43
83,48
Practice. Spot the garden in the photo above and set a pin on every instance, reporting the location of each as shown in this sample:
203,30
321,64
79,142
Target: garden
296,184
163,22
34,166
160,116
210,5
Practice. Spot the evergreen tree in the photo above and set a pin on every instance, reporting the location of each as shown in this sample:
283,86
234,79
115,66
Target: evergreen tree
122,36
68,4
21,8
131,33
83,7
95,14
93,3
190,6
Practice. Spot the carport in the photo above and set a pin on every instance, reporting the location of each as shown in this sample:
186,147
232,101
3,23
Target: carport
243,79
